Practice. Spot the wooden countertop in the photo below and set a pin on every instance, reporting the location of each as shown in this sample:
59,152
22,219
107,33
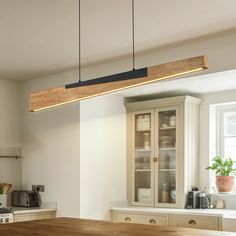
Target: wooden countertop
81,227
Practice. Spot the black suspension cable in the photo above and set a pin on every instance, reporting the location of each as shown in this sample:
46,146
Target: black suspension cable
79,46
133,34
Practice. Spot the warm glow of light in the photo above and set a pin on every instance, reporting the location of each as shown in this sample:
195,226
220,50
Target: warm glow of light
122,88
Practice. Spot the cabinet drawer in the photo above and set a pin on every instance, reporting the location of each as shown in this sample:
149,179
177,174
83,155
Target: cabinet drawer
195,221
142,219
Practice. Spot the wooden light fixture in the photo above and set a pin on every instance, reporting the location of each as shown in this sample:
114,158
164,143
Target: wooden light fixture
61,96
104,85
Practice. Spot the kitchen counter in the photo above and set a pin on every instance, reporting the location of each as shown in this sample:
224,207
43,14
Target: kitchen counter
80,227
25,210
33,213
206,212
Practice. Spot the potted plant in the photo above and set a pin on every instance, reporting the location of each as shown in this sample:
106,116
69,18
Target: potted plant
225,173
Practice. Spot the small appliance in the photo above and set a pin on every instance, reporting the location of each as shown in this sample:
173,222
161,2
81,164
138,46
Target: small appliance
204,201
6,215
193,199
24,198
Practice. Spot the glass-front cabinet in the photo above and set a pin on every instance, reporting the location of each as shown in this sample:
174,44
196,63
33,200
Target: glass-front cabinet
157,152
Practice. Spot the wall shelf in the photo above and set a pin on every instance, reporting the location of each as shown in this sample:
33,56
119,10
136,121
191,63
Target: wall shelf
10,153
10,157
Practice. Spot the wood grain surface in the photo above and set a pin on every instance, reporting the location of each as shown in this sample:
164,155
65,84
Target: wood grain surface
60,96
81,227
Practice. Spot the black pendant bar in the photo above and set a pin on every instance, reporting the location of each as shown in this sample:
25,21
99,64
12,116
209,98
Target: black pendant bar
134,74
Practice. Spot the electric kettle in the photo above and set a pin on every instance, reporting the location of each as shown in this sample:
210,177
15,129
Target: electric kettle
204,201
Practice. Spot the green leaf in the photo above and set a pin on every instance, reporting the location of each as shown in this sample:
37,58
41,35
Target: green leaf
222,167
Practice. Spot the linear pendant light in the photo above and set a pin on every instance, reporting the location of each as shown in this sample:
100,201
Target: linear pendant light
95,87
61,95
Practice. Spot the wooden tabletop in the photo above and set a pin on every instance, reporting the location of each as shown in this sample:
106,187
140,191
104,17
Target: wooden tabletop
80,227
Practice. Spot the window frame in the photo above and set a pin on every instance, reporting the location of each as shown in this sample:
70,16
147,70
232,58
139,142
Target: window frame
221,110
219,125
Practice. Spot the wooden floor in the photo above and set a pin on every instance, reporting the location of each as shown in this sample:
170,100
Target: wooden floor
79,227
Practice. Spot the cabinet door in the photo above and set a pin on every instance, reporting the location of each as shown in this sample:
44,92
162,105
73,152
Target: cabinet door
143,151
166,151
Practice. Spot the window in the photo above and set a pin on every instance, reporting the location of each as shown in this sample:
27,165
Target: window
226,144
222,134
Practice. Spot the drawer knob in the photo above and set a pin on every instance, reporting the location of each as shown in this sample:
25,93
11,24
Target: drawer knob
192,222
152,221
127,219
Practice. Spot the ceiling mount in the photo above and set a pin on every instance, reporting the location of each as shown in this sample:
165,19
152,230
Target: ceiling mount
133,74
133,35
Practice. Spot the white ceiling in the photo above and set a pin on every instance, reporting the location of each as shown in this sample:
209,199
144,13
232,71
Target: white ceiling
39,37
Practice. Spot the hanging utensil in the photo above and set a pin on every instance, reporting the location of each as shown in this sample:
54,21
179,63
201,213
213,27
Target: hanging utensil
9,187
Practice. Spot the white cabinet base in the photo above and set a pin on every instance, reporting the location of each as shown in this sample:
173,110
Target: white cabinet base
160,218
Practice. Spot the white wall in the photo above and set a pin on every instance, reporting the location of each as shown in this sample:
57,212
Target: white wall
79,167
51,148
102,155
10,135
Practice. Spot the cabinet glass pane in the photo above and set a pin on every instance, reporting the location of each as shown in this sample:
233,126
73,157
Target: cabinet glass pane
167,156
142,159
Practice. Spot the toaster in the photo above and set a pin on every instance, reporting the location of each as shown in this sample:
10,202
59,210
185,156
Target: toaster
24,198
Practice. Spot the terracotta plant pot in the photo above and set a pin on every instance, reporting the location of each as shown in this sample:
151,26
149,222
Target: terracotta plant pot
224,183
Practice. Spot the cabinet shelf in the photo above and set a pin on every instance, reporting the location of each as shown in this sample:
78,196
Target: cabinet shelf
168,128
165,170
142,170
143,130
142,150
167,149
